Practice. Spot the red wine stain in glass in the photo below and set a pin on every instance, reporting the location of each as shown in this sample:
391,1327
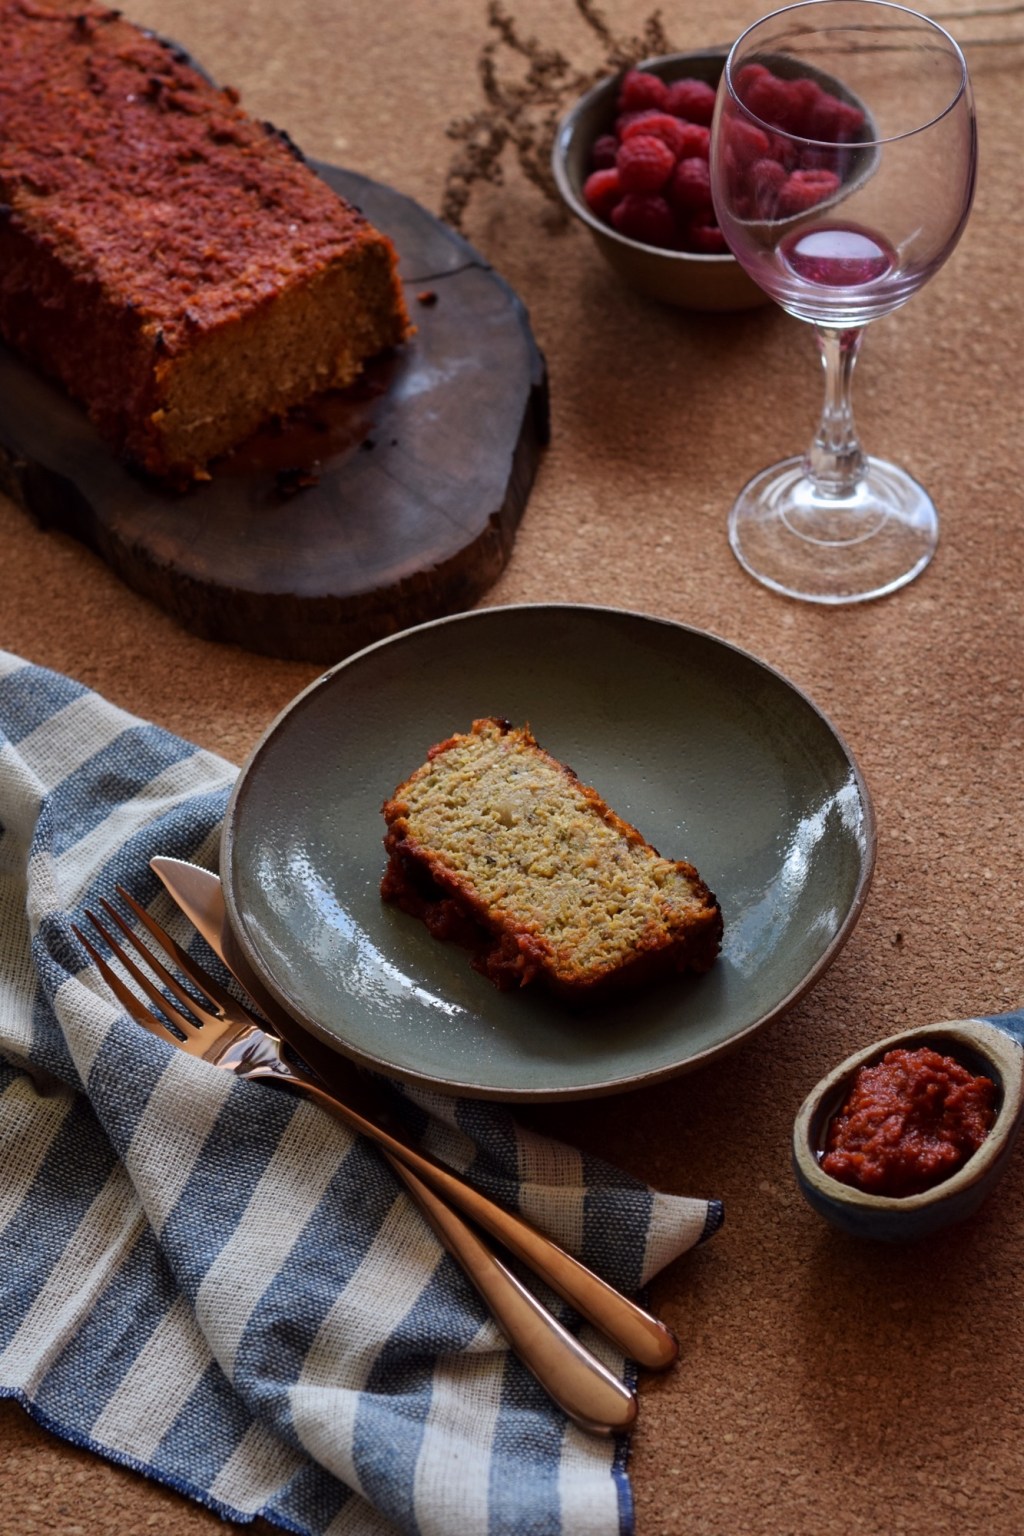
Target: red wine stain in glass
838,255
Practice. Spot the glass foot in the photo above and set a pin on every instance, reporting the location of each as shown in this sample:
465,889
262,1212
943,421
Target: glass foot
843,549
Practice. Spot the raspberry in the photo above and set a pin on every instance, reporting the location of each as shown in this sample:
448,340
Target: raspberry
658,191
705,239
746,77
645,218
784,150
601,191
805,189
851,120
639,89
824,157
660,126
772,100
804,96
689,191
745,142
692,99
834,121
627,119
602,155
644,164
766,180
694,139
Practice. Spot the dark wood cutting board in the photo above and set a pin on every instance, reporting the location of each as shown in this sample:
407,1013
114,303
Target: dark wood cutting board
420,473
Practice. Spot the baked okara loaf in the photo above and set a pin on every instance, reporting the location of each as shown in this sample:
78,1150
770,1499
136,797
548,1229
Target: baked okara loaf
172,261
495,843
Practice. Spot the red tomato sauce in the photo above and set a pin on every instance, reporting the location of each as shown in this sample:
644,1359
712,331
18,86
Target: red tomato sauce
908,1122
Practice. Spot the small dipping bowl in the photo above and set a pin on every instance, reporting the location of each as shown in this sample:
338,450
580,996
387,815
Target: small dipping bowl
992,1047
687,279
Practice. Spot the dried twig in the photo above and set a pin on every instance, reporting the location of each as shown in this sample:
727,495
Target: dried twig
521,111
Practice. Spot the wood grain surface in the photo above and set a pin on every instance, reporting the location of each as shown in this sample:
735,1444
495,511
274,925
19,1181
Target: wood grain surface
393,502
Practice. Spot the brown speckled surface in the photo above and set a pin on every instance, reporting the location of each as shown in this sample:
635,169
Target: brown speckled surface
823,1386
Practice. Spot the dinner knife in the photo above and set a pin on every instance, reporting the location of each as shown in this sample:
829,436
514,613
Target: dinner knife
581,1384
639,1335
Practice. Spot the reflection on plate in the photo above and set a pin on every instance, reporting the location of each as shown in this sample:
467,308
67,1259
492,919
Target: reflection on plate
711,753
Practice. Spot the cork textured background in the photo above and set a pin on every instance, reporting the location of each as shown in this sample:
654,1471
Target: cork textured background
824,1385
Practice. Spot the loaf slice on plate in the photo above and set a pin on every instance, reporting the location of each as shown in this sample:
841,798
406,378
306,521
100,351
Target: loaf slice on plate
496,844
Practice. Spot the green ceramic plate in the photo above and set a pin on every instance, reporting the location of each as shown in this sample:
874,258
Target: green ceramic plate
711,753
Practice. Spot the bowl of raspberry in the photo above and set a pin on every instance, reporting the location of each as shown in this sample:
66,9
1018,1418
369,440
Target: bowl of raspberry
630,160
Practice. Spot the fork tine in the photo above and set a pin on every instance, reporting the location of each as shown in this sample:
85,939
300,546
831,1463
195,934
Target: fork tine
201,1014
138,1010
188,1027
219,997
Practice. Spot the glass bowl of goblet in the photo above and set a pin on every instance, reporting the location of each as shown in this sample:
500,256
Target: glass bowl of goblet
843,163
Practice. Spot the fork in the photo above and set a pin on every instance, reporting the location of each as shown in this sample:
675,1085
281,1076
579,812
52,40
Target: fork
635,1332
223,1032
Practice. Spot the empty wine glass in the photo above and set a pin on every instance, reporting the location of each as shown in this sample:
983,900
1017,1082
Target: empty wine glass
843,161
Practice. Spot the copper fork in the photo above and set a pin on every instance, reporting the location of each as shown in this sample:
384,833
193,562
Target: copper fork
222,1031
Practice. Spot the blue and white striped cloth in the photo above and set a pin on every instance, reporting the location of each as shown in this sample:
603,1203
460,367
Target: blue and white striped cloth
215,1283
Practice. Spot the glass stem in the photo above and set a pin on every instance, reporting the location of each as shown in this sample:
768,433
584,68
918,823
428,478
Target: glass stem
835,460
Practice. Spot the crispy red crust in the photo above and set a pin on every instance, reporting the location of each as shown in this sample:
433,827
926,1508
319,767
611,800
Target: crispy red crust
148,229
509,948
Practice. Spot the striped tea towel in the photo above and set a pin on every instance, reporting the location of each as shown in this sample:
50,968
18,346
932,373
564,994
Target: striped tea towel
214,1282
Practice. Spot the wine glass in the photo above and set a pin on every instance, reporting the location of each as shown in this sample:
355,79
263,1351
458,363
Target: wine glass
843,161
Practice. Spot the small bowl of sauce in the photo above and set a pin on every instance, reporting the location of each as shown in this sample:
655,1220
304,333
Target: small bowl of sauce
911,1134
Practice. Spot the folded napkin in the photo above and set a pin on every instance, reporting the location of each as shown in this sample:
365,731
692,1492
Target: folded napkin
214,1282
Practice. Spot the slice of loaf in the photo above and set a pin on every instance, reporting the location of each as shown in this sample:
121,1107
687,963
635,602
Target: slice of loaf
174,263
495,843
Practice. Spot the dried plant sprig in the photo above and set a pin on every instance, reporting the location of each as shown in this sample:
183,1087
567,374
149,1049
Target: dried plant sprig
522,111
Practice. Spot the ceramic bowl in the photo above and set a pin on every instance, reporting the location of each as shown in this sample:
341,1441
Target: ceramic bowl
992,1045
688,280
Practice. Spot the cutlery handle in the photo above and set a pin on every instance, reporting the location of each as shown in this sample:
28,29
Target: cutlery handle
577,1381
635,1332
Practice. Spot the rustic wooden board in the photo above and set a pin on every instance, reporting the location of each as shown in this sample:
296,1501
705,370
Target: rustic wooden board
423,471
